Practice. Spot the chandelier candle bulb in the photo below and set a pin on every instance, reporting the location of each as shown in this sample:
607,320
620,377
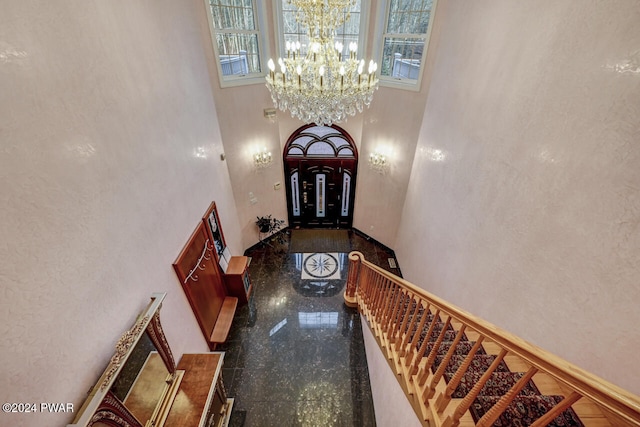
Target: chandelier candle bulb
283,70
272,68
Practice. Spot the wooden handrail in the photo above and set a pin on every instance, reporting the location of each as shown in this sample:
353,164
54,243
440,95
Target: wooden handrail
383,290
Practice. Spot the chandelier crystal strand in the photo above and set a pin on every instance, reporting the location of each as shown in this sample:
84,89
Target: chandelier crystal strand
326,83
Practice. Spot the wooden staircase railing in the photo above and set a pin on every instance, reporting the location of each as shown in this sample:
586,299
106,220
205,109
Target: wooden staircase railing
413,328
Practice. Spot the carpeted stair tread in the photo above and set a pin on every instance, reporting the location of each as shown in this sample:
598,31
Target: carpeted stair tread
524,410
449,335
463,347
496,385
480,363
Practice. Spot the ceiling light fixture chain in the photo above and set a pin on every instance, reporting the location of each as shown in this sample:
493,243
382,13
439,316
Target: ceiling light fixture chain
325,83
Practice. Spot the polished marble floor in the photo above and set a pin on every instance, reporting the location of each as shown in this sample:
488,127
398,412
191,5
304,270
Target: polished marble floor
295,355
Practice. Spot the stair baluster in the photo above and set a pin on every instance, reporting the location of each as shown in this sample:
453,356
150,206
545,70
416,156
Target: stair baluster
386,306
399,319
412,348
467,401
431,388
417,357
381,301
363,291
374,293
433,353
557,410
405,329
444,398
492,415
392,318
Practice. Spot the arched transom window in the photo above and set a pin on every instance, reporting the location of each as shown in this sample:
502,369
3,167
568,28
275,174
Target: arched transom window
320,141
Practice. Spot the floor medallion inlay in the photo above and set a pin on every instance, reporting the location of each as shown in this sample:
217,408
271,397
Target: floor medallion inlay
320,266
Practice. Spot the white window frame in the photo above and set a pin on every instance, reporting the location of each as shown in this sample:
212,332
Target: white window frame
365,6
382,19
250,78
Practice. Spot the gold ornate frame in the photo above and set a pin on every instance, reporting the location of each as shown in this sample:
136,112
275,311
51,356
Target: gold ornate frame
102,406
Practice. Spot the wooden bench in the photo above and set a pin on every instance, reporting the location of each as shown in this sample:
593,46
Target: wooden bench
223,322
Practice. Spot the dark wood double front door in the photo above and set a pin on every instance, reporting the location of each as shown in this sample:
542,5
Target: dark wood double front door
320,168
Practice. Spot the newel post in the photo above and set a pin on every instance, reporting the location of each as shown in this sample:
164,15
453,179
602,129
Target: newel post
355,261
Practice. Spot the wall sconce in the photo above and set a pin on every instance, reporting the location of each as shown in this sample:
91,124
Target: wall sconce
262,159
378,162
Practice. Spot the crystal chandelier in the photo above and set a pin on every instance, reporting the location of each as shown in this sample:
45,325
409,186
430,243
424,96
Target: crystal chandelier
326,83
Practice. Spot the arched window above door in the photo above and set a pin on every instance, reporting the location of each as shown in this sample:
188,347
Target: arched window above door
320,141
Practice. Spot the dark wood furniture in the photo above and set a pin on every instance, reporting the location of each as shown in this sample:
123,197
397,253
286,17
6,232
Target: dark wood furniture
202,398
224,321
232,268
202,282
237,278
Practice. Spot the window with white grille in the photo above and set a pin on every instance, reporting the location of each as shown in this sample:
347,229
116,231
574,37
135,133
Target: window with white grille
352,30
405,40
237,40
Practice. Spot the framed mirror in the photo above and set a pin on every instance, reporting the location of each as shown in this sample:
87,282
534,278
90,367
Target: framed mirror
141,380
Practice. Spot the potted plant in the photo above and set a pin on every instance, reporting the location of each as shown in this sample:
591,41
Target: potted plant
269,226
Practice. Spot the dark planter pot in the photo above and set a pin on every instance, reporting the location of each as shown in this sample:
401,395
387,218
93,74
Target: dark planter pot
264,229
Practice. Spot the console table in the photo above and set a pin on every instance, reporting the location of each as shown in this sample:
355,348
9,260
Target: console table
202,399
237,278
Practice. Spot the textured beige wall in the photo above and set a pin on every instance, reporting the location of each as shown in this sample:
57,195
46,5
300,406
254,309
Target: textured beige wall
390,126
109,149
524,200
